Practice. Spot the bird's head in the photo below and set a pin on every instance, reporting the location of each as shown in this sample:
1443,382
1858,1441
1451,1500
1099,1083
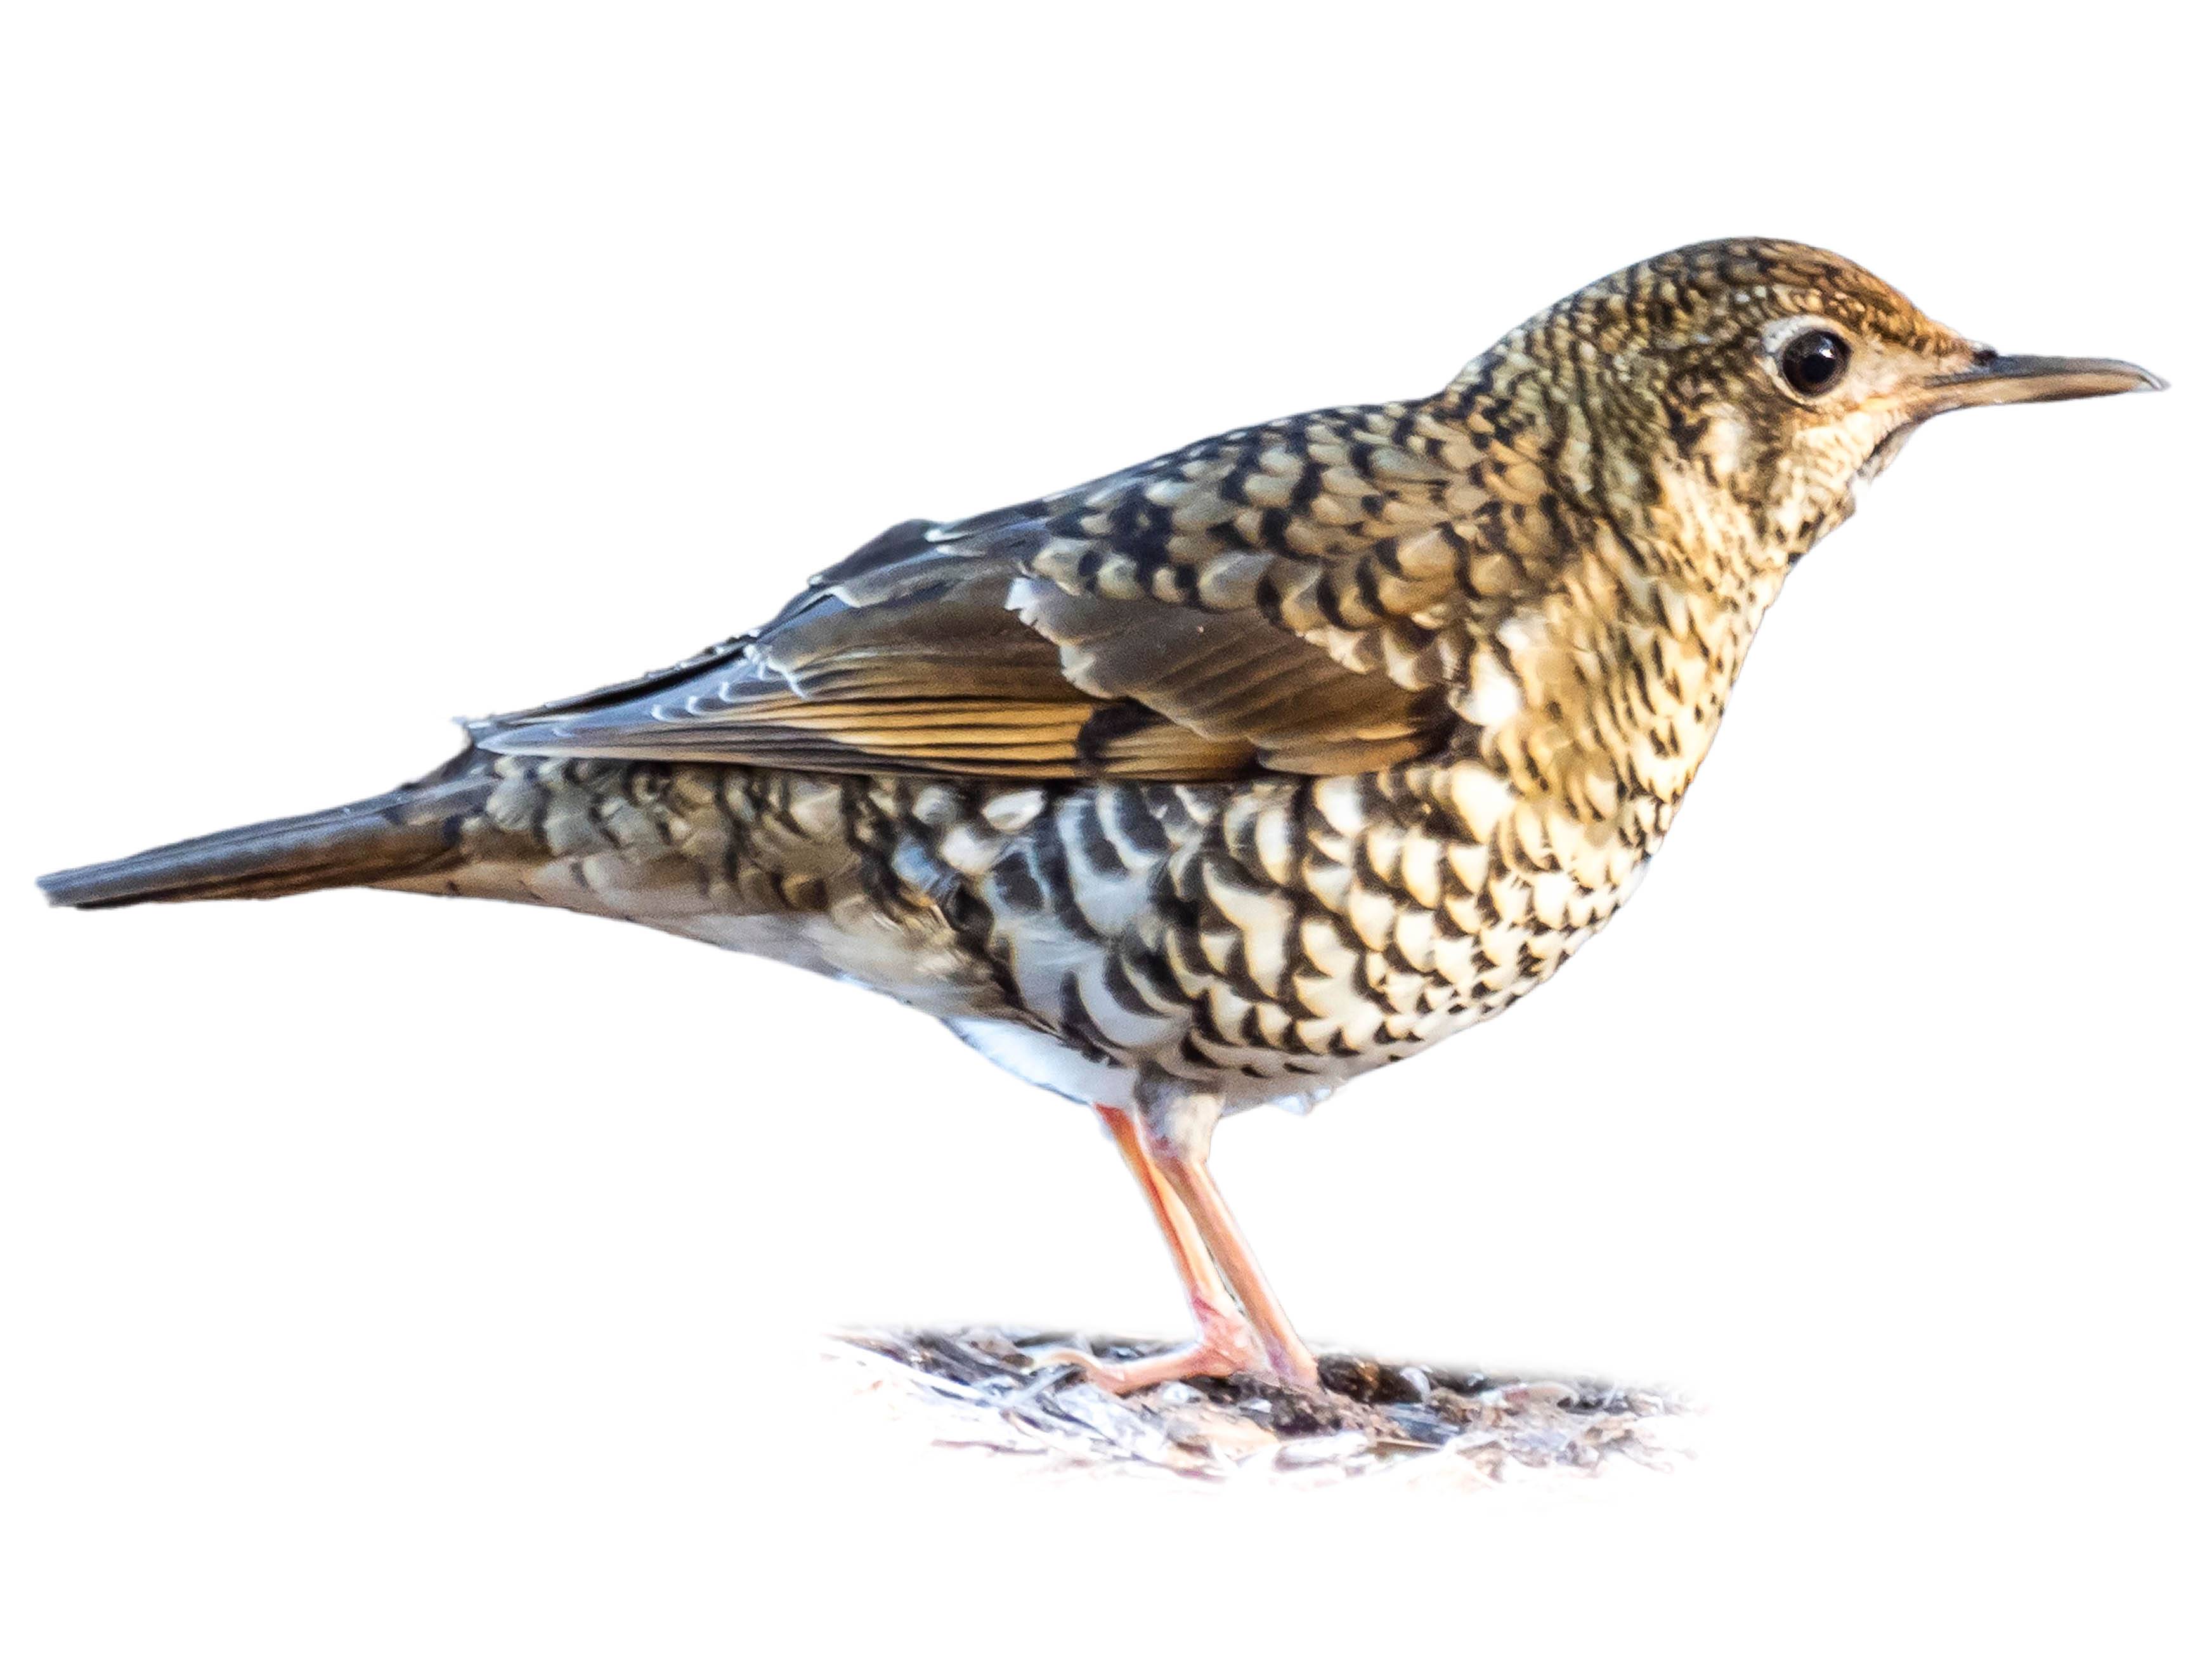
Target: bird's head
1721,402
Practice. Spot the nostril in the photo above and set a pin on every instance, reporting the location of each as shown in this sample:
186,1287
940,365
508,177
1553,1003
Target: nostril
1985,355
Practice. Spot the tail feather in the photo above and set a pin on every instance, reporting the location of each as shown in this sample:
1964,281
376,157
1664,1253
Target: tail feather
411,831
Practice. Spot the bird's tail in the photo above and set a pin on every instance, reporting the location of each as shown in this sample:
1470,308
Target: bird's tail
412,831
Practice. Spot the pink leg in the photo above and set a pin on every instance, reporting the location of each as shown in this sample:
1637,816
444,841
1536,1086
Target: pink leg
1186,1176
1225,1342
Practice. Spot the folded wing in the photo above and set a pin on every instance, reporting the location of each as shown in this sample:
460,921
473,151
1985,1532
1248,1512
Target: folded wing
1279,599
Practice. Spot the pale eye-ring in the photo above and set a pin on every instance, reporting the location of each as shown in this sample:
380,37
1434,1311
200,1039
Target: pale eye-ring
1813,363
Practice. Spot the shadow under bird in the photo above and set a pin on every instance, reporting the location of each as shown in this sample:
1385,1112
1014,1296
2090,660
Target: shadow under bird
1227,777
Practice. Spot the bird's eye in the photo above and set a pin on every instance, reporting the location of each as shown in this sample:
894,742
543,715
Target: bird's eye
1814,361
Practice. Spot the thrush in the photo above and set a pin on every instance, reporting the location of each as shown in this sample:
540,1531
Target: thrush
1228,777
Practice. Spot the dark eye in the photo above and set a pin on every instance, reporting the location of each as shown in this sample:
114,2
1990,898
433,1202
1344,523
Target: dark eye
1814,361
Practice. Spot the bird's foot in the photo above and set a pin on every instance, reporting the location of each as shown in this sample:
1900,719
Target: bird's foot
1226,1346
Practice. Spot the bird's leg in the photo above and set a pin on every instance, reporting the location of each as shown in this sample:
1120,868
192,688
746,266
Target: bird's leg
1177,1139
1225,1342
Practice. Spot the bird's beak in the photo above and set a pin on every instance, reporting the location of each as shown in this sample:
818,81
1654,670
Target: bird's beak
1994,378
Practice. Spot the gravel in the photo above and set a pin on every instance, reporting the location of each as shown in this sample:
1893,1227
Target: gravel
1375,1420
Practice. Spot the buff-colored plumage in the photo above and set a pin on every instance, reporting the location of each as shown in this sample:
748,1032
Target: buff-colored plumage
1226,777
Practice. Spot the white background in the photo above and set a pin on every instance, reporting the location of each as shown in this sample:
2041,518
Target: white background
379,1276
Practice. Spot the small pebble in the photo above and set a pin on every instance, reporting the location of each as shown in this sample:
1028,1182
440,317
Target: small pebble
1322,1448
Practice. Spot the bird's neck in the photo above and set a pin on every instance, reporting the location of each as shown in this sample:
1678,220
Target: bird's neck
1610,686
1601,690
1698,500
1588,713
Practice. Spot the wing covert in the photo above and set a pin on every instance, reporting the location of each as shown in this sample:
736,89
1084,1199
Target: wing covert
1291,598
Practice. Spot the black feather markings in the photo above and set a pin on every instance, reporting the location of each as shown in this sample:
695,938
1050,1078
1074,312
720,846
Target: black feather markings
941,648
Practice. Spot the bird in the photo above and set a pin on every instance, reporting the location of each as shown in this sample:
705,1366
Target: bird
1226,778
